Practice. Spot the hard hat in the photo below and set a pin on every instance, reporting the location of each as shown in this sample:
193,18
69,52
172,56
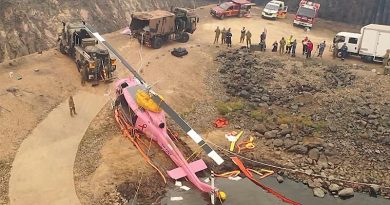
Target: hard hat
222,195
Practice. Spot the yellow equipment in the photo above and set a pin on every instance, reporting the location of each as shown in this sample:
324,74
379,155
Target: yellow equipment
145,101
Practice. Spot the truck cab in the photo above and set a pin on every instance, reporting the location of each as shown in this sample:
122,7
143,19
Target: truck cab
238,8
274,10
352,40
306,14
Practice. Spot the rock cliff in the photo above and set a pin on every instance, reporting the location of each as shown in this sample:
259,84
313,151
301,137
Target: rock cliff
27,26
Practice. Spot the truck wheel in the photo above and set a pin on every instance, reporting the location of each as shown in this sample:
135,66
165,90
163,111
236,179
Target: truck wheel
339,54
184,38
222,17
165,38
157,43
78,64
62,49
84,75
367,59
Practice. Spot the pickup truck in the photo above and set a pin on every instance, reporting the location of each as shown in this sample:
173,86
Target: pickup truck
274,9
238,8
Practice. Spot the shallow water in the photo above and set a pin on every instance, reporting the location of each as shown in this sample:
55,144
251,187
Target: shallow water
245,192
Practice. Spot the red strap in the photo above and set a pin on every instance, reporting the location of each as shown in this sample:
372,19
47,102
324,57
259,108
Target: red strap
248,174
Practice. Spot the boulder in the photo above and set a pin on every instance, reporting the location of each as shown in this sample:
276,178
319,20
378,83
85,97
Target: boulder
318,192
299,149
279,179
313,142
283,126
260,128
334,188
375,190
278,143
314,154
289,143
347,192
285,131
323,162
270,134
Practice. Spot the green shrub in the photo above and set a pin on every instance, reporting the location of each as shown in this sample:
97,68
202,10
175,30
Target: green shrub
225,108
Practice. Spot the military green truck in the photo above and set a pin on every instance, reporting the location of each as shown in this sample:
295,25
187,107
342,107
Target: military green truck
93,62
154,28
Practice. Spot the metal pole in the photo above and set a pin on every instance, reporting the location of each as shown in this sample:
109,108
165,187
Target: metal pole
212,177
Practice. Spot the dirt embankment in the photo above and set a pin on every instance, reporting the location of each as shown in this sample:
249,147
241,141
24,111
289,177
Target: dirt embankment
28,26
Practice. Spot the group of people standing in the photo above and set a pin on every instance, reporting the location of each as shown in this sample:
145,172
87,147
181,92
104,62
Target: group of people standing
284,46
226,36
289,46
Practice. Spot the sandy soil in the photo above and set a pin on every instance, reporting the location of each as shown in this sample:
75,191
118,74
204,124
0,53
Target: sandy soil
35,96
42,171
180,81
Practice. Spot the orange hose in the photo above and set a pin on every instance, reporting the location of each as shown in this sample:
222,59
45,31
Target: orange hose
228,174
125,129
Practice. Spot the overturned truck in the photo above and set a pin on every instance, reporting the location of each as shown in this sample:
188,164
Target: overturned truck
154,28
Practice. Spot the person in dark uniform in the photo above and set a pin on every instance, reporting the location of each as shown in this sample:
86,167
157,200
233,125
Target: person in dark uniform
217,34
242,37
229,36
72,107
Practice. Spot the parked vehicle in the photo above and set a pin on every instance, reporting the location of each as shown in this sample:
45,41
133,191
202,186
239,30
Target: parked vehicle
238,8
156,27
274,10
93,61
370,44
306,14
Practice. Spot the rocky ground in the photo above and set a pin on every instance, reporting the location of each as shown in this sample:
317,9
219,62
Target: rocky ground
325,120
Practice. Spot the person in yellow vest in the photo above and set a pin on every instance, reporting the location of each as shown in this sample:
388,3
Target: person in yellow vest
289,44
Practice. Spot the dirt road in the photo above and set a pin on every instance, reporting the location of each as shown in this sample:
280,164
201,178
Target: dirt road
42,171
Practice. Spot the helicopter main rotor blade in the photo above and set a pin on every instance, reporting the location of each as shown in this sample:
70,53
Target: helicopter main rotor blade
186,128
167,109
92,31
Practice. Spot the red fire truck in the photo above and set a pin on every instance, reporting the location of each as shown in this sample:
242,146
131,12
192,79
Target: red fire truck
306,14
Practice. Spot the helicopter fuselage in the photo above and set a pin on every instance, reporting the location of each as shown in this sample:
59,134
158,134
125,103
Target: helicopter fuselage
153,125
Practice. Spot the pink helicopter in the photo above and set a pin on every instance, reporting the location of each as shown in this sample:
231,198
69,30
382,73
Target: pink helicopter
138,108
